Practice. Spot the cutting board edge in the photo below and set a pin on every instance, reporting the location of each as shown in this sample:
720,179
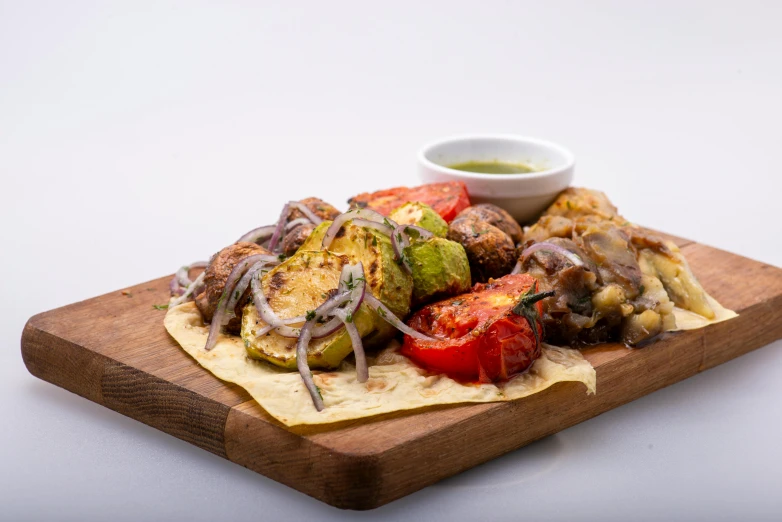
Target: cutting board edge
372,477
85,373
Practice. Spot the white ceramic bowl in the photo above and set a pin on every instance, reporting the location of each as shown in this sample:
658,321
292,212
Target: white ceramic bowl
524,196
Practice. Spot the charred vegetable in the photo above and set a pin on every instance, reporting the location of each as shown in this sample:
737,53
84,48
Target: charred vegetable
292,291
304,281
439,268
447,199
490,251
488,334
494,216
217,274
296,238
421,215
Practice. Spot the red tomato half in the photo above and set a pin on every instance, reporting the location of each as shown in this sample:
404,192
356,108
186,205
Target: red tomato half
480,336
447,199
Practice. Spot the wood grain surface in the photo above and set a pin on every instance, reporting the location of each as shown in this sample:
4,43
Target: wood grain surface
113,350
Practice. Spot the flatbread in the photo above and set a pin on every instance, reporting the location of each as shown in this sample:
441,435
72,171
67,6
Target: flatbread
686,320
395,383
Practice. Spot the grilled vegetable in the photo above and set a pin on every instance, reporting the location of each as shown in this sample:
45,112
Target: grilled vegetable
491,251
215,277
422,215
447,199
292,289
304,281
488,334
439,268
495,216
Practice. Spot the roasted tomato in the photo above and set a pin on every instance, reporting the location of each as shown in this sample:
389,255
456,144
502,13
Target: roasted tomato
488,334
447,199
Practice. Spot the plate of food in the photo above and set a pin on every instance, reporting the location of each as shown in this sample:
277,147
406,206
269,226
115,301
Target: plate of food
359,354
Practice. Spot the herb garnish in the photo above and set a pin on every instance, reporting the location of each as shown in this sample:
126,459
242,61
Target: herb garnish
527,309
160,307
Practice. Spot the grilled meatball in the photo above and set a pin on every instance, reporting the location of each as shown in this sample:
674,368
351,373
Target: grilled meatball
490,251
318,207
217,273
496,216
295,238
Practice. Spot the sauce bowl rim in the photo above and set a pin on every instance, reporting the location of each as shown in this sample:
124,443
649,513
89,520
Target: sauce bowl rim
569,158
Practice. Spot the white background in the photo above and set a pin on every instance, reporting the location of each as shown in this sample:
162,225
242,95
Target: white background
136,137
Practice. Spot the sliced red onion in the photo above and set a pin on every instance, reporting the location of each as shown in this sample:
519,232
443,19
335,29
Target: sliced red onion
422,232
517,268
262,305
263,331
278,229
183,274
244,282
296,222
320,331
180,282
301,207
357,213
400,241
380,227
352,285
221,315
383,311
268,315
258,235
362,372
551,247
174,288
303,366
191,290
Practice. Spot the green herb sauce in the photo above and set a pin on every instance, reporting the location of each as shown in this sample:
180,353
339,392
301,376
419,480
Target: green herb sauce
493,167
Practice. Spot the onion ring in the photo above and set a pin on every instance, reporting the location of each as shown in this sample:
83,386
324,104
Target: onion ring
554,249
190,290
356,213
362,372
258,235
400,241
293,223
264,309
301,207
279,227
304,368
383,311
221,316
355,287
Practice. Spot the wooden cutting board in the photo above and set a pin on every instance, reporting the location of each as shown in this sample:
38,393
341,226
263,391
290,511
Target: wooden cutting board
113,350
